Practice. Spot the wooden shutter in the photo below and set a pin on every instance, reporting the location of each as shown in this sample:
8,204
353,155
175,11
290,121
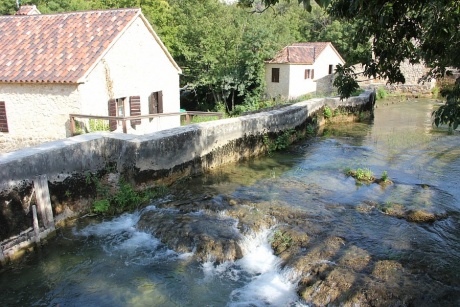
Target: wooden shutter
313,74
153,103
112,112
160,102
3,119
135,109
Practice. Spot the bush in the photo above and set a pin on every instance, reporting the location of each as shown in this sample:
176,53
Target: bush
381,93
327,112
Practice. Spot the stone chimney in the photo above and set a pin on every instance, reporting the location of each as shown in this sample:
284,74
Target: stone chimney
28,10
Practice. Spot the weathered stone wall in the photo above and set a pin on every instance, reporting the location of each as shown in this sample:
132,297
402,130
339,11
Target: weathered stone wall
412,73
325,86
38,111
142,160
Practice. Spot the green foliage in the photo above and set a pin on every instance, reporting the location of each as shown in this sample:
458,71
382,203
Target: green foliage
384,177
435,92
381,93
357,92
362,175
449,113
311,129
98,125
101,206
280,240
281,142
124,199
327,112
345,81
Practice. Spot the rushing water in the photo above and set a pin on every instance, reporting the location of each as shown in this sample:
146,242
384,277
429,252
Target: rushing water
112,263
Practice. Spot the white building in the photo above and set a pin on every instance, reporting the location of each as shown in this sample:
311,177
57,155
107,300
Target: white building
301,68
108,62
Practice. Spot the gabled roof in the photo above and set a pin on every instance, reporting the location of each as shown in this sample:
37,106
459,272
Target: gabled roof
60,48
28,10
301,53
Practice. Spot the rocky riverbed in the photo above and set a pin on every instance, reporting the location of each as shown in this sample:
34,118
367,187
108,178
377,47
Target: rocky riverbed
332,268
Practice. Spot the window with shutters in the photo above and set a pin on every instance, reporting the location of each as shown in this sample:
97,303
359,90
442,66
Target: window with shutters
275,75
331,69
3,118
309,73
116,108
156,103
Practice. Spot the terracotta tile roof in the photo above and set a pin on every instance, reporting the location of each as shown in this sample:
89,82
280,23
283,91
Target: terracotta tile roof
300,53
28,10
59,47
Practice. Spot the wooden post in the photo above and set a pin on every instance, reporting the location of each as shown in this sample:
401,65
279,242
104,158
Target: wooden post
72,125
43,201
187,118
124,126
36,227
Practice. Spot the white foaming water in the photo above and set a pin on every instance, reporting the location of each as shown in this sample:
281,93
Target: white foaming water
120,224
121,236
265,283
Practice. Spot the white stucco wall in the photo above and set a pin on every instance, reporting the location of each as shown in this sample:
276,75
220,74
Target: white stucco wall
281,88
298,85
326,58
39,111
136,66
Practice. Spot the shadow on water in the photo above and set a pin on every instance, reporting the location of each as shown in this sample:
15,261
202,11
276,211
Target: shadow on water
336,241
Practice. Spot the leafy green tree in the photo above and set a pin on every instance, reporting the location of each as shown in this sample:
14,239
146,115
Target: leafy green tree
225,63
7,7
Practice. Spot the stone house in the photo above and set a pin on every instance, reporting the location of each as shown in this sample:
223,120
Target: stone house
107,62
302,68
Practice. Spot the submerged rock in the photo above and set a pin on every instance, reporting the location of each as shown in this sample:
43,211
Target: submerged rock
210,237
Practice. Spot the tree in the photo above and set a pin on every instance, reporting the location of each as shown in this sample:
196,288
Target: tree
225,64
415,30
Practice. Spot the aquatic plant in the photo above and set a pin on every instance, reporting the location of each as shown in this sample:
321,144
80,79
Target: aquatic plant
384,177
280,240
364,175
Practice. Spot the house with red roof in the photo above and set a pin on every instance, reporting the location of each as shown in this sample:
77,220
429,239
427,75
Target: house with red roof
301,68
106,63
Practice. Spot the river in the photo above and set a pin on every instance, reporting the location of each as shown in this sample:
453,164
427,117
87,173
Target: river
305,232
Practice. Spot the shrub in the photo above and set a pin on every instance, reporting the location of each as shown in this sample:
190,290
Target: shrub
327,112
381,93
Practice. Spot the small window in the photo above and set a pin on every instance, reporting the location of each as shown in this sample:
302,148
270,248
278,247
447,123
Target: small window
275,75
309,73
331,69
156,103
3,119
120,107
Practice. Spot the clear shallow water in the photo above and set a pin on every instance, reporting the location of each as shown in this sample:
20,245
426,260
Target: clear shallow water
110,263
